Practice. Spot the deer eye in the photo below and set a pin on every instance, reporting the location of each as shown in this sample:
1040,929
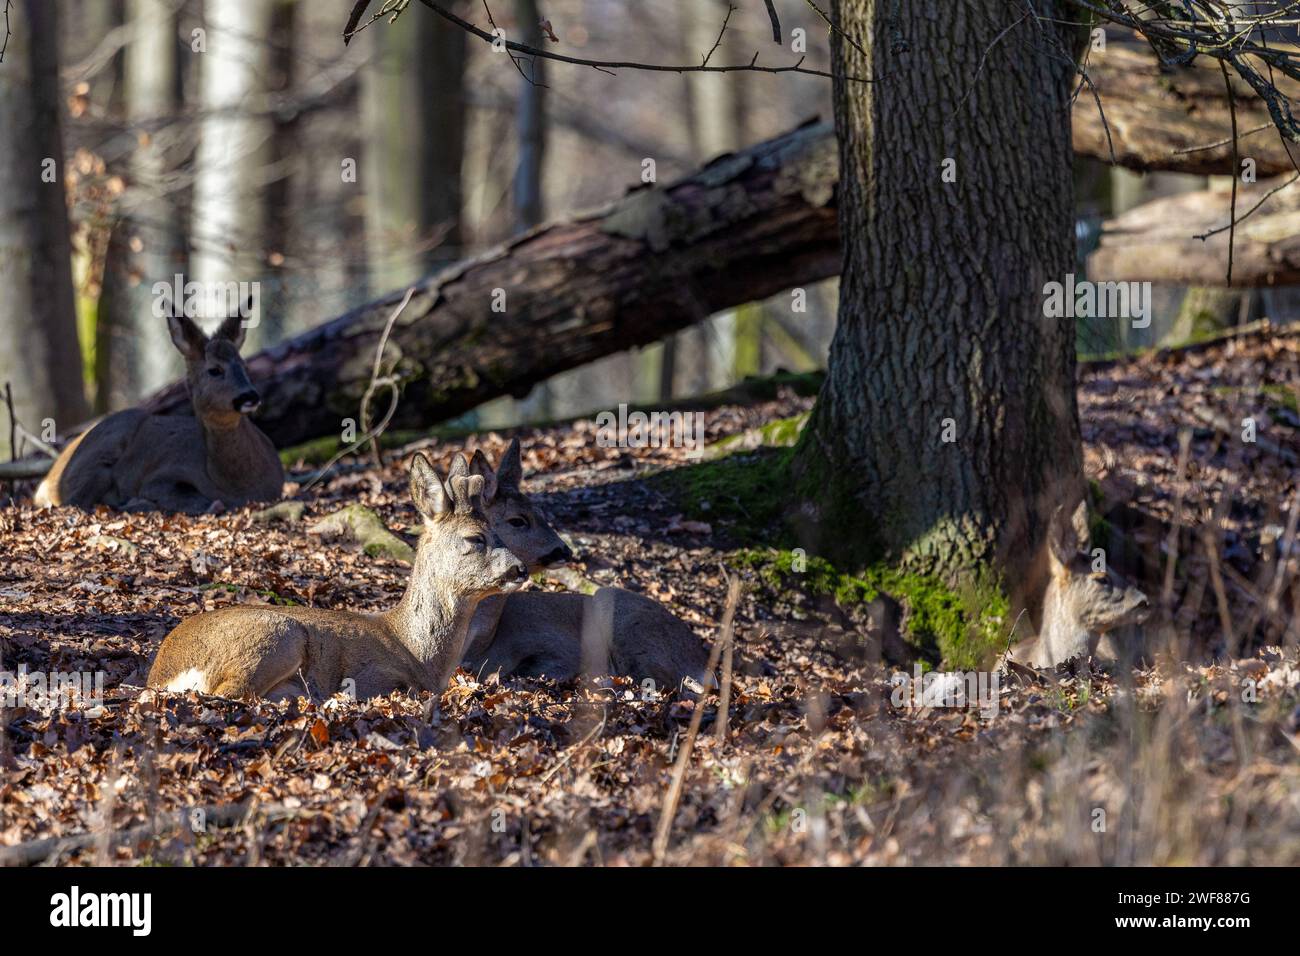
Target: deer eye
477,540
216,371
518,522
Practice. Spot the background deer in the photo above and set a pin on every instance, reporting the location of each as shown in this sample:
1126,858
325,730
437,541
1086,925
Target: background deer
137,462
1080,605
562,635
283,652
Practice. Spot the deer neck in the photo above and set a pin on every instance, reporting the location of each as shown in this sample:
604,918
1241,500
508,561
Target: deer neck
431,622
230,449
1063,635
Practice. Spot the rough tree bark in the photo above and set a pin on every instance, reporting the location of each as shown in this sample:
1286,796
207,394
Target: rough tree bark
40,356
661,258
947,429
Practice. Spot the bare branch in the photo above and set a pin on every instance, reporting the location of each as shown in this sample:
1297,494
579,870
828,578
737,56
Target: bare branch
1232,213
8,32
609,65
776,22
718,42
835,28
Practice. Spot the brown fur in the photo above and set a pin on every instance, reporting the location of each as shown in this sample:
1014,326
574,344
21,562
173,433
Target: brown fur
276,652
541,633
1079,605
136,461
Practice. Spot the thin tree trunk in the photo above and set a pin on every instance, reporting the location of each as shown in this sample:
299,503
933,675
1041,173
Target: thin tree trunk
325,241
147,245
529,202
41,357
229,221
412,114
941,332
704,360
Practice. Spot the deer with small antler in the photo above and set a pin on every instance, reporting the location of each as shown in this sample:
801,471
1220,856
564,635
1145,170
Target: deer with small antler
562,635
278,652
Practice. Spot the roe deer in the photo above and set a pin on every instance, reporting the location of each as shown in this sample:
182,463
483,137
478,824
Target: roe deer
541,633
273,652
137,461
1080,605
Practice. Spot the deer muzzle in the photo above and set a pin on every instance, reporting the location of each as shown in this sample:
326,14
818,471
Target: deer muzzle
247,402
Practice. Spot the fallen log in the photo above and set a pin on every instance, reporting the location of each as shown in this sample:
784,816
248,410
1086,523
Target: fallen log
661,258
1158,242
746,226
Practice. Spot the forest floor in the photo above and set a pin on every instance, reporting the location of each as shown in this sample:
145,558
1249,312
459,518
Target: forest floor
1192,756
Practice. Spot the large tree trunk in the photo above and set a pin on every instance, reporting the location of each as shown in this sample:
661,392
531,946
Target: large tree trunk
654,262
947,430
40,356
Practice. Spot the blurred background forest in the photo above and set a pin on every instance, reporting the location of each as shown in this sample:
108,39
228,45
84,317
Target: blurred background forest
207,137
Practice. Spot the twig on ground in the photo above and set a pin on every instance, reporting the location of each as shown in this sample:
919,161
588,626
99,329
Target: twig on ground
1184,447
568,754
674,794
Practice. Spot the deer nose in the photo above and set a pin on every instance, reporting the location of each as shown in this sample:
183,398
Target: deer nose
246,402
561,555
517,573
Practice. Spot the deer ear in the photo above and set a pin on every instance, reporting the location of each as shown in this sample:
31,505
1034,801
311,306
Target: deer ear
478,465
510,470
1079,521
186,336
232,330
427,491
1062,541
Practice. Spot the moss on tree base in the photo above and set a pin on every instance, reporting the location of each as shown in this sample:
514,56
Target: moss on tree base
794,534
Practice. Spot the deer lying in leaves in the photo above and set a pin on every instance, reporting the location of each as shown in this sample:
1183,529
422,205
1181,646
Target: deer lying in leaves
1080,605
541,633
255,651
136,461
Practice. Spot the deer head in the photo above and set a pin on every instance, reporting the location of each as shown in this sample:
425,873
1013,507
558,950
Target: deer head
459,554
217,377
1081,604
521,527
